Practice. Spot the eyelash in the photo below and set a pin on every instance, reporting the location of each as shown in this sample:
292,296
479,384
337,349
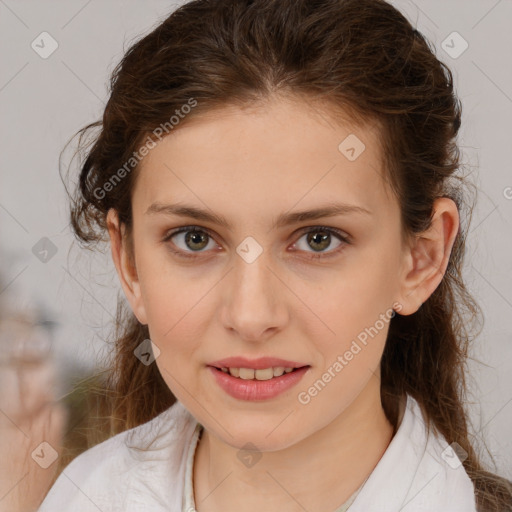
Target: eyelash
339,234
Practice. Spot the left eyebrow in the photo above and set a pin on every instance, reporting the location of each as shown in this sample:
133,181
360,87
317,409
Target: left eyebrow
328,210
284,219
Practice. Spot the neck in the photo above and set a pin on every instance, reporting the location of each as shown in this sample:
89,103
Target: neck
319,473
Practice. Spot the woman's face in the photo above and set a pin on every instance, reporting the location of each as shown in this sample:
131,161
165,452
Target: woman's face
259,285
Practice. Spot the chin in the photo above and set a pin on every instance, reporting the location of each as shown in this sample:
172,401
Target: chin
264,437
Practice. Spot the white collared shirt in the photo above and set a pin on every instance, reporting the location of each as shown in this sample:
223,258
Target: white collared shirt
149,468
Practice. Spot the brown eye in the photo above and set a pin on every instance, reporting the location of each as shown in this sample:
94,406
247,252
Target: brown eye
319,239
189,240
196,240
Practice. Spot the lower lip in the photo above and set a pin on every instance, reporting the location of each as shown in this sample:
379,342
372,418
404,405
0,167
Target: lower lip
257,389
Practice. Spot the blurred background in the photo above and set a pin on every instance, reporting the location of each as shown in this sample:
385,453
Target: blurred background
58,302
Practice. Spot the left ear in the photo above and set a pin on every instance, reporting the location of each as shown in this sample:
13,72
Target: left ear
427,258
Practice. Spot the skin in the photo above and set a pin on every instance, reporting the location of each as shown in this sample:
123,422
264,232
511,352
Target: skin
250,165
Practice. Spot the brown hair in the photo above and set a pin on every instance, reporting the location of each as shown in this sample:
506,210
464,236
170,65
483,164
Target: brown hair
358,56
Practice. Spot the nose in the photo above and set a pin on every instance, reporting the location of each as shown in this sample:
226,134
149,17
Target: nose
255,305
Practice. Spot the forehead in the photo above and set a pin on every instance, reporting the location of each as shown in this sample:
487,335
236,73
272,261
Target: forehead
269,155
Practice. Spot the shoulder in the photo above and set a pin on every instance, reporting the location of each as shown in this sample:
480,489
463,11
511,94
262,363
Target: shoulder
417,472
136,468
441,464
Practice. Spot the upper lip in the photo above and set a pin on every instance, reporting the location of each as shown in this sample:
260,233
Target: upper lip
256,364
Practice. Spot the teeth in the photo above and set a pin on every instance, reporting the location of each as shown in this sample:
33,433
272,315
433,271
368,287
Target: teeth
265,374
262,374
245,373
278,371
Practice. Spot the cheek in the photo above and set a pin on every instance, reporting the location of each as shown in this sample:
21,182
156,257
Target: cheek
352,310
174,302
175,308
357,313
355,294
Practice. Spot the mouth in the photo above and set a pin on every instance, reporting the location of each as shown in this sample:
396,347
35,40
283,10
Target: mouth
259,373
262,368
256,384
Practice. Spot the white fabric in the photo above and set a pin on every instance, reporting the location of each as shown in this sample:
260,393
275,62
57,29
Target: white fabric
143,469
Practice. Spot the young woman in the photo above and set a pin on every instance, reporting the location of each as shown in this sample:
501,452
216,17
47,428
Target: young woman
278,182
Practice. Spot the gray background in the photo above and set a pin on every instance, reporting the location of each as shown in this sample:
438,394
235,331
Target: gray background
44,101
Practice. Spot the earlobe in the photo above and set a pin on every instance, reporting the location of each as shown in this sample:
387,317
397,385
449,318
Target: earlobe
428,257
125,267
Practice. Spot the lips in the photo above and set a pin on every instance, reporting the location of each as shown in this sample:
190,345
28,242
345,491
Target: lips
256,364
256,379
254,389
